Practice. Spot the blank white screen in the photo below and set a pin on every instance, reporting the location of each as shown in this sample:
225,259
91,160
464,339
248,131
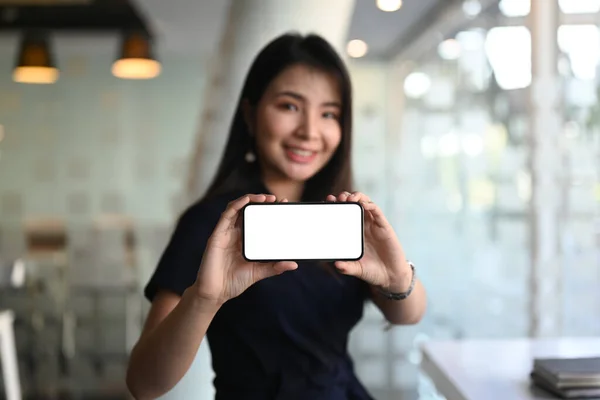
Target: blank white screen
328,231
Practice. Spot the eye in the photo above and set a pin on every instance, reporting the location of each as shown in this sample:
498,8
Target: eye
330,115
289,107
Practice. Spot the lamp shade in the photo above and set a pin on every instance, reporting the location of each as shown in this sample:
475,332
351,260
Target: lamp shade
136,59
35,62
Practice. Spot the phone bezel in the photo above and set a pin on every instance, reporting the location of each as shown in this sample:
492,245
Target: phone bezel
362,229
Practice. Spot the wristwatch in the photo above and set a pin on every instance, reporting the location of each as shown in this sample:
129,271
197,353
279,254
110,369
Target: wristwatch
403,295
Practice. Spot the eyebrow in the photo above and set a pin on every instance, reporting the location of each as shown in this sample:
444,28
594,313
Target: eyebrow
299,97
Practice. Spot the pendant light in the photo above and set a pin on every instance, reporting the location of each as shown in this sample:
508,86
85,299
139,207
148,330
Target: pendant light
136,59
35,61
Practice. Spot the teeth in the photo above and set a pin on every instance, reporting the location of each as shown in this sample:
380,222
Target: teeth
302,153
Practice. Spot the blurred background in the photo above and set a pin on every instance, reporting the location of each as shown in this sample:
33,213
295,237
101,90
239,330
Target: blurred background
477,129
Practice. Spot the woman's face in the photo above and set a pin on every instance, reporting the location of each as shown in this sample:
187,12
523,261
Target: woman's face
296,124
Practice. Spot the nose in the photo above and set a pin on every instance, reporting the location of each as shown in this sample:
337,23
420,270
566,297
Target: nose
309,126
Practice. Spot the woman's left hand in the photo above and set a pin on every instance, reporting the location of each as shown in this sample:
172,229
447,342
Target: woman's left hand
383,263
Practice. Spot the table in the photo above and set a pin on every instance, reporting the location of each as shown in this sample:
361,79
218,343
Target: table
496,369
8,353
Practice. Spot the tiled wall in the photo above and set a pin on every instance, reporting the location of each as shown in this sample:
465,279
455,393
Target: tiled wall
89,146
92,144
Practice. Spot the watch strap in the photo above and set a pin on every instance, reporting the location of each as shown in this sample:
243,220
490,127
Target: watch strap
403,295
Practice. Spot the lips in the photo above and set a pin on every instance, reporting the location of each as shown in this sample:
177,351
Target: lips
301,152
298,155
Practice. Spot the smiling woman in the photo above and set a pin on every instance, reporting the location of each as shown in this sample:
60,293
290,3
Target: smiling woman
276,330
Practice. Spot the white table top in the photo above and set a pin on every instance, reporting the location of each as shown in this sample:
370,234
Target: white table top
496,369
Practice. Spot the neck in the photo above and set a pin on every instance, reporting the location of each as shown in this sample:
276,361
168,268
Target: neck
284,188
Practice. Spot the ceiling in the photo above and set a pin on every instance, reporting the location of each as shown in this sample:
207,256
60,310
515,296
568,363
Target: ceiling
195,26
384,32
191,26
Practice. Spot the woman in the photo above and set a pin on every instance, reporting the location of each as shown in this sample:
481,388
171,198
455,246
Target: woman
275,330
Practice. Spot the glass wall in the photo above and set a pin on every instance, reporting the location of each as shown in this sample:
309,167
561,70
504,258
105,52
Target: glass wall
466,148
462,182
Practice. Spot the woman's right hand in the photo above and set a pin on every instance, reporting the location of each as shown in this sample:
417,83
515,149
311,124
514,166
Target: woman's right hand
224,272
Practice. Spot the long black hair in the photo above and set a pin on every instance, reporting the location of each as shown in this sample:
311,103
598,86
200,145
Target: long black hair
234,172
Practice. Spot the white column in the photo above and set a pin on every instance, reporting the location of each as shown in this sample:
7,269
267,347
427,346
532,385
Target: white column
545,155
8,353
251,25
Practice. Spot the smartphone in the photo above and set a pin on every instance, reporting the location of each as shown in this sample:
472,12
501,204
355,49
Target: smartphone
302,231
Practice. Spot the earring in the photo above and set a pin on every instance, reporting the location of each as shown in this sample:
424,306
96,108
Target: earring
250,157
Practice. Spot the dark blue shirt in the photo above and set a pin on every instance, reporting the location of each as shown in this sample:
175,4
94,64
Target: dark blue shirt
285,337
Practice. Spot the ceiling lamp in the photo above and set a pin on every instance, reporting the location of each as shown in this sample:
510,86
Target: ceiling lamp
357,48
389,5
35,62
450,49
136,60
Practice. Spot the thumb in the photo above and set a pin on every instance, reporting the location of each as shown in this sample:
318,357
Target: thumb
351,268
267,270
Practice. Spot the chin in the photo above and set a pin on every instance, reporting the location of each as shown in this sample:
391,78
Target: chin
300,175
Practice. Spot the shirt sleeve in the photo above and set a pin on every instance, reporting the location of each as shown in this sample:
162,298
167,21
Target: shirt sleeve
178,266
